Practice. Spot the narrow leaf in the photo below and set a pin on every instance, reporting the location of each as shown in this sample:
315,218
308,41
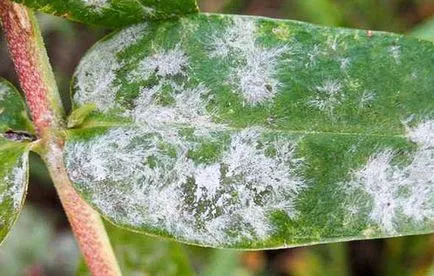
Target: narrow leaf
245,132
114,13
15,135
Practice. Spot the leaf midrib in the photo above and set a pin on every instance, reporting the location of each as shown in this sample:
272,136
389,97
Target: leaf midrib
102,124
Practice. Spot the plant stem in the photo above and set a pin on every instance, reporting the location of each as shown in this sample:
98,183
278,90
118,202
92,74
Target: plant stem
32,66
37,81
85,222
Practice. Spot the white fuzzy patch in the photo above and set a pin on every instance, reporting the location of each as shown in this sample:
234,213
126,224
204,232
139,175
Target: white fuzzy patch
131,189
4,89
255,75
163,63
98,5
328,96
344,63
312,56
15,182
96,74
366,98
395,52
399,192
189,106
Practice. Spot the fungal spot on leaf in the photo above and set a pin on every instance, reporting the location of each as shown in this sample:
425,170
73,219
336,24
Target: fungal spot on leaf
399,192
256,79
243,182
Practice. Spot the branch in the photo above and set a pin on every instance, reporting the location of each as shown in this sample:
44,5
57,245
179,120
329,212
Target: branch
32,66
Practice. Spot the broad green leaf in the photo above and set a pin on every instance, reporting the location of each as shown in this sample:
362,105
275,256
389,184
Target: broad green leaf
141,255
245,132
15,135
114,13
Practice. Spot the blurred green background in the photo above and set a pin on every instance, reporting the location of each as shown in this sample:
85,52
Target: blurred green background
42,244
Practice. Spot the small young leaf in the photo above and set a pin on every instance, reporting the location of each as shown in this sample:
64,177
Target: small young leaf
15,135
113,13
78,116
245,132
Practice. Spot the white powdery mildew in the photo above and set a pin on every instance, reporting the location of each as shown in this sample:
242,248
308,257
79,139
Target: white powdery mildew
366,98
255,75
163,63
96,74
313,56
15,183
189,107
344,63
399,193
328,96
189,104
98,5
4,89
395,52
144,185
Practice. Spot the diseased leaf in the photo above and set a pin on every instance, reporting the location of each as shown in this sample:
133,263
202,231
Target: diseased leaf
141,255
12,109
15,135
244,132
114,13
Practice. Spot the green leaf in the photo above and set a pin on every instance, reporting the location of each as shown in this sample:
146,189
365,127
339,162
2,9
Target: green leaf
245,132
15,135
12,109
113,13
141,255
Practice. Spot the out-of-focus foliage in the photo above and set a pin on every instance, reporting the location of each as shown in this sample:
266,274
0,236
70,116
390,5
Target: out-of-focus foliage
139,254
391,15
35,247
409,256
144,255
323,260
425,30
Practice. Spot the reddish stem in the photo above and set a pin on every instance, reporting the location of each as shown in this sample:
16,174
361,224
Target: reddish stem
24,46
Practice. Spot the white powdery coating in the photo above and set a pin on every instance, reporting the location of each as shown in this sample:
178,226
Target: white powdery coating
328,96
15,182
366,98
395,52
98,5
4,89
189,107
96,74
163,63
398,191
131,189
255,79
